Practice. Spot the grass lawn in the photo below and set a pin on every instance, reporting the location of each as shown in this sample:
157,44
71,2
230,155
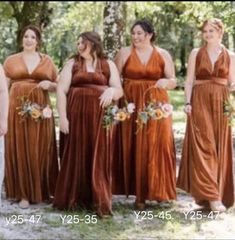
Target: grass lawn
177,100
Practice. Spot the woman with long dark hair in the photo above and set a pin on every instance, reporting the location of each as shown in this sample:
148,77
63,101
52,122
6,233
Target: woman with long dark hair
149,152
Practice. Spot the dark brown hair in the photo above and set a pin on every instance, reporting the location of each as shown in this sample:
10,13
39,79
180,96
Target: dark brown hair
96,43
37,32
147,27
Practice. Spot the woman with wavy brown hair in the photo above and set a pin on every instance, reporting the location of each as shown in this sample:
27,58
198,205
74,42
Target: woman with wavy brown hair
88,83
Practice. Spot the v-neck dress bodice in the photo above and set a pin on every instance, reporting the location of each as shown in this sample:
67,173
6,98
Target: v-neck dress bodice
30,71
152,70
205,70
31,156
16,69
206,169
149,155
85,176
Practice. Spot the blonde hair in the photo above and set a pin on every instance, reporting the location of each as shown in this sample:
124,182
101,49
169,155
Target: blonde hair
214,22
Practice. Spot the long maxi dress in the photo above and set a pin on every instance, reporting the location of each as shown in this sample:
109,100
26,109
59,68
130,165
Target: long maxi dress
206,169
31,156
85,177
148,155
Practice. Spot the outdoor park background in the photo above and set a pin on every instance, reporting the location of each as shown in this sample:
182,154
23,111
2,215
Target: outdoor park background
177,28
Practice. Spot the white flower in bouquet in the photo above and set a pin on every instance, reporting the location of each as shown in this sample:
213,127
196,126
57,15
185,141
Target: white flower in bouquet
167,109
130,107
114,110
47,112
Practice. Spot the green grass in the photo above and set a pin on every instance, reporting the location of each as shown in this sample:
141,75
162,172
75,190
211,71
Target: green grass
53,103
177,100
170,223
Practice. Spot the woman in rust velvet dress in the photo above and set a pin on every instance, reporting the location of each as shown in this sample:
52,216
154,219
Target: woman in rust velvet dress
90,82
149,155
31,158
206,169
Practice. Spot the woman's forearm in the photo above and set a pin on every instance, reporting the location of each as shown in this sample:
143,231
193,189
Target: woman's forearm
188,92
171,83
118,93
166,83
52,87
4,106
61,103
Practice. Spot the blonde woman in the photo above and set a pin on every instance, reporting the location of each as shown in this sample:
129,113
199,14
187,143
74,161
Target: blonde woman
206,166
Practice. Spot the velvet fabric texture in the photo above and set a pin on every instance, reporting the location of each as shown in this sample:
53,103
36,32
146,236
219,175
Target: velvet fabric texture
31,157
85,177
206,169
149,154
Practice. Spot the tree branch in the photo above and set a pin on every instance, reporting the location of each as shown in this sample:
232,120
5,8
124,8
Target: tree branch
16,9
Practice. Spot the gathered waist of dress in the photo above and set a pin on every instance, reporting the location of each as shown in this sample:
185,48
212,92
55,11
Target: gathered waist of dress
89,86
22,83
219,81
150,81
17,81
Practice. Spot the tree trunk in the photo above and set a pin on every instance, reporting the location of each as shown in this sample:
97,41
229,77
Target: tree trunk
182,60
64,52
233,37
33,12
226,40
233,32
114,25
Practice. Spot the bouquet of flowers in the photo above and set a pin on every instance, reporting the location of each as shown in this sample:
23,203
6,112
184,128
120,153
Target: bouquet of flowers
229,111
113,114
32,109
154,110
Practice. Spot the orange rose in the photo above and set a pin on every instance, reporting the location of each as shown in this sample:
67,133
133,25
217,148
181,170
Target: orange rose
159,114
35,113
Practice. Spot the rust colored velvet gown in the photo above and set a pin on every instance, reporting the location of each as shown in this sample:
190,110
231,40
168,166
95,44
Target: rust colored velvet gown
31,157
149,155
206,165
85,177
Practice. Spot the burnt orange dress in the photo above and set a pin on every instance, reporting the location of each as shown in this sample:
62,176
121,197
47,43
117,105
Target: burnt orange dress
206,165
31,157
149,155
85,177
